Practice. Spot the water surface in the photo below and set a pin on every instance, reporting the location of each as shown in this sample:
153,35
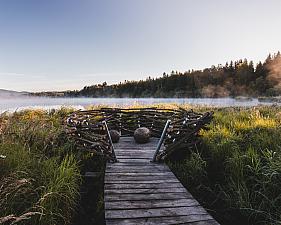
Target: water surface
19,103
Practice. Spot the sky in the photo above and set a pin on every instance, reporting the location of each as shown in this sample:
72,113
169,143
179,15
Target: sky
67,44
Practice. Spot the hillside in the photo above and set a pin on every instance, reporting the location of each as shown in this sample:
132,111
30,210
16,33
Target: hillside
235,78
9,93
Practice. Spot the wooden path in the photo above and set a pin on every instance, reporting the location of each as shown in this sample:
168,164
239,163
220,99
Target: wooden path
139,192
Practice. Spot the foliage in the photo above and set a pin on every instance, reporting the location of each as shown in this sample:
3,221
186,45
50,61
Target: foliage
238,78
236,171
40,172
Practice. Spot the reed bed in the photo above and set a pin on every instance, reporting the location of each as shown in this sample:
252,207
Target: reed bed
236,171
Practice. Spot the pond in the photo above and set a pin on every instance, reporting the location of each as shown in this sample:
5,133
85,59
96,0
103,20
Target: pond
19,103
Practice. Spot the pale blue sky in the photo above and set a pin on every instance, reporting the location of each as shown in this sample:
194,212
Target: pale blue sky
67,44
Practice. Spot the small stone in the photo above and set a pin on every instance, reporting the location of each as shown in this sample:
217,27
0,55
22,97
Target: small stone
142,135
115,135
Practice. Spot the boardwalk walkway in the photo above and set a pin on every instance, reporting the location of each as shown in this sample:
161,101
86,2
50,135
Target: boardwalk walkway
139,192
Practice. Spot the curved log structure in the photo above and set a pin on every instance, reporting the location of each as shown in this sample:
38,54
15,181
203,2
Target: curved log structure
89,132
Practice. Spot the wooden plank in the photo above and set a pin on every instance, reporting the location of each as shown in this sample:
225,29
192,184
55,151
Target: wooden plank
158,212
130,152
151,146
137,191
136,169
138,150
144,191
148,163
134,154
138,178
130,139
161,175
191,219
135,149
117,174
129,164
135,145
151,204
133,160
149,185
140,181
146,158
205,222
159,196
134,165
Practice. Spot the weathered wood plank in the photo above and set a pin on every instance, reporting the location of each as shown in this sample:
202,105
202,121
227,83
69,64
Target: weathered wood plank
136,169
112,177
139,150
129,163
140,181
133,144
158,212
137,191
192,220
151,204
136,165
146,158
122,153
135,154
149,185
159,196
126,146
145,191
131,174
133,160
147,163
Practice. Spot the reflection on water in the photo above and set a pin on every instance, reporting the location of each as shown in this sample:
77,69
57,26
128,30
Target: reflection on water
13,104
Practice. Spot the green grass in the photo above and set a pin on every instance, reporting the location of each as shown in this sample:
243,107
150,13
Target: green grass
236,171
40,173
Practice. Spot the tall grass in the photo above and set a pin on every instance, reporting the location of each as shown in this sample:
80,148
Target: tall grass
236,171
40,174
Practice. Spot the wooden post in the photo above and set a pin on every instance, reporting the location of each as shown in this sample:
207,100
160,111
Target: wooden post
162,138
110,141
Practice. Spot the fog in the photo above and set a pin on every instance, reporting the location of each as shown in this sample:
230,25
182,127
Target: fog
24,102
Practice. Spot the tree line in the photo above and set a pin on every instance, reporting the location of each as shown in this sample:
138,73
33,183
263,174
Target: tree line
235,78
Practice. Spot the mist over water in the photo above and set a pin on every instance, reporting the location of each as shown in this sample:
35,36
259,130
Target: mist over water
275,72
19,103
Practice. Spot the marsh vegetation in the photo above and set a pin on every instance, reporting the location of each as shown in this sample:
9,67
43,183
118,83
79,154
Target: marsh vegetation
41,171
235,171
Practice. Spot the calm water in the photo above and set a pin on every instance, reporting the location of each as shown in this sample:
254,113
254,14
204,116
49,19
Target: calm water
13,104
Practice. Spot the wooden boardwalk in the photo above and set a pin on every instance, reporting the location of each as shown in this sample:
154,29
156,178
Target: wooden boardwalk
139,192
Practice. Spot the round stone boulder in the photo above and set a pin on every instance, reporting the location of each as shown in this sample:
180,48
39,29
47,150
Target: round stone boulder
142,135
115,135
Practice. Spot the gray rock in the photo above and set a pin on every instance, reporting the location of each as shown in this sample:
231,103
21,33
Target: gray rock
142,135
115,135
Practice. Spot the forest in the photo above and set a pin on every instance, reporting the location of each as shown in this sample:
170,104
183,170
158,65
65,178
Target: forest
235,78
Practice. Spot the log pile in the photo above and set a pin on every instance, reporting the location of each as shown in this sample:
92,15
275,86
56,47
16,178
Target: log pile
89,133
